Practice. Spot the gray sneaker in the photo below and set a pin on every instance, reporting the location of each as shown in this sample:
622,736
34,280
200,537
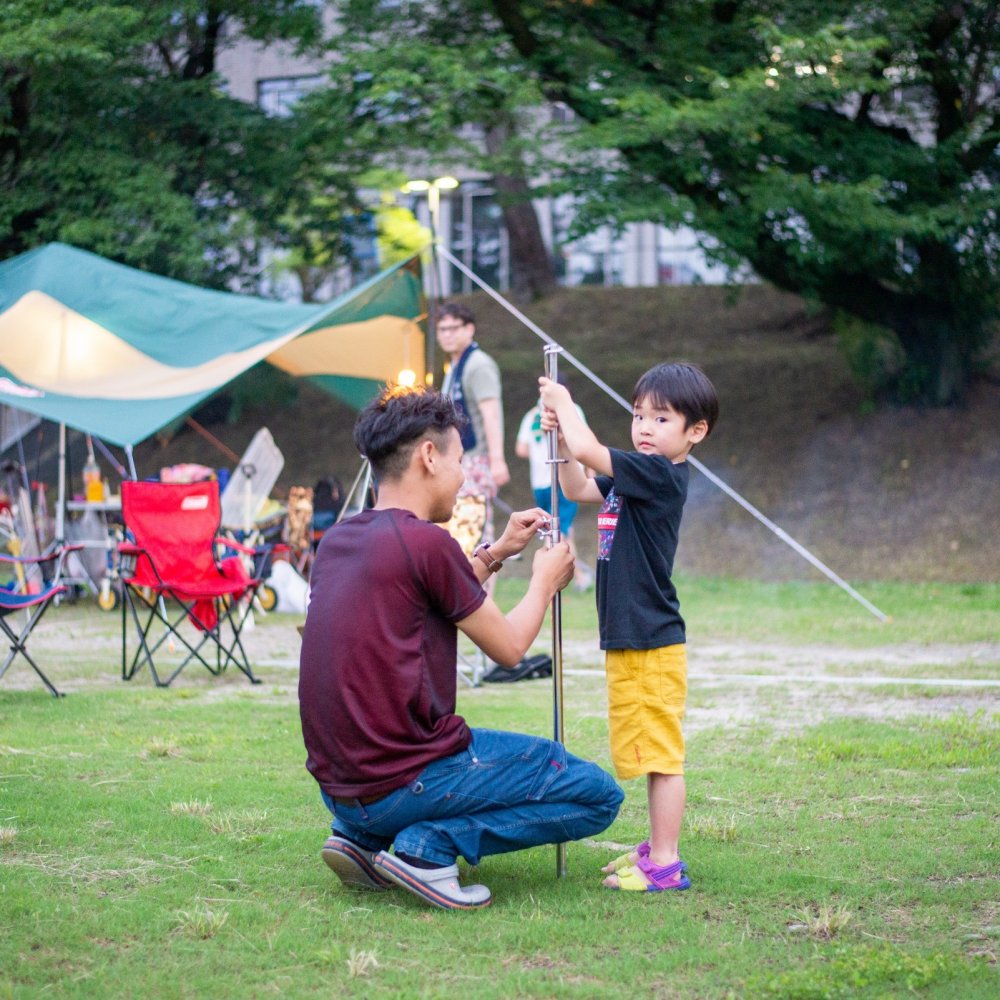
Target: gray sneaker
437,886
353,864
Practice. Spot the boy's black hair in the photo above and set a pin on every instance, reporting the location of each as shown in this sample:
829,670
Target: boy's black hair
456,310
682,386
388,427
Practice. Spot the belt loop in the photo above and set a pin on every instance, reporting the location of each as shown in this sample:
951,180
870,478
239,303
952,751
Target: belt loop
361,809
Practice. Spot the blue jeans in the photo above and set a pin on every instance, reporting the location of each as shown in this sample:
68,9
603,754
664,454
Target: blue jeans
504,793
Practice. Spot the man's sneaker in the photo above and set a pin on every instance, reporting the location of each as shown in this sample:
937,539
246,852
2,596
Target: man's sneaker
437,886
353,864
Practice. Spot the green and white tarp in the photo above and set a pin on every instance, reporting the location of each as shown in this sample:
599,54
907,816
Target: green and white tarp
120,353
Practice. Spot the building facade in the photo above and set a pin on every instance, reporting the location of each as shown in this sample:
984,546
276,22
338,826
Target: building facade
468,220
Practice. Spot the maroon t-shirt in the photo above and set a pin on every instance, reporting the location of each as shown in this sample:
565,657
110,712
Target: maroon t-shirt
378,667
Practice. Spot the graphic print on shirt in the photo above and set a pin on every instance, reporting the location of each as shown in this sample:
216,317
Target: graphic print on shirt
607,521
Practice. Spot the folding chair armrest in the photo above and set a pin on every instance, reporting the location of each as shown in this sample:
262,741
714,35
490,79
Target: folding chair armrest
261,554
128,559
231,543
28,560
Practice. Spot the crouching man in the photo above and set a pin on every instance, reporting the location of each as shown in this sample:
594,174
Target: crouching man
396,766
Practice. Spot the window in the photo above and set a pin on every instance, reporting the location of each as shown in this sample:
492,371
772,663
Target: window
279,95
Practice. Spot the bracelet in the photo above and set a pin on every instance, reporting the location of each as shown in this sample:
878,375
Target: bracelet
493,565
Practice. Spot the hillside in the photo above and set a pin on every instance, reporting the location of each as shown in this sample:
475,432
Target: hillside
898,494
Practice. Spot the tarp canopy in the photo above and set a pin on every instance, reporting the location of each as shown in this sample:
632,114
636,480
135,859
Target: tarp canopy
120,353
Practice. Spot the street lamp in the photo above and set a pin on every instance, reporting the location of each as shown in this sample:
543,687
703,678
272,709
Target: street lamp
433,189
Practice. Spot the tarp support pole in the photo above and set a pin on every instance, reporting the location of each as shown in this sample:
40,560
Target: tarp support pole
554,537
61,505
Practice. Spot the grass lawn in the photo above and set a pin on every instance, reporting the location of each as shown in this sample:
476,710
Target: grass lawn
165,843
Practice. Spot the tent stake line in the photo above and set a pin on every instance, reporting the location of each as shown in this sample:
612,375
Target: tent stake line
711,476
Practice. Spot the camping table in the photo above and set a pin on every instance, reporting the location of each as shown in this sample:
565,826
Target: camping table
96,534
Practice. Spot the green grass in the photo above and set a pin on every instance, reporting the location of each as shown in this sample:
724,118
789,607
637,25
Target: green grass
815,612
165,844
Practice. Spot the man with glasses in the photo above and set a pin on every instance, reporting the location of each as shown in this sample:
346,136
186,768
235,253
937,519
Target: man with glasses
472,382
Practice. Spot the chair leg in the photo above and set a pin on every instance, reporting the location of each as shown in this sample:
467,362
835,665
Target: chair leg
17,646
242,661
233,652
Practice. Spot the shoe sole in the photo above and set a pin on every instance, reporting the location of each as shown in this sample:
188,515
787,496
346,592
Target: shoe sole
353,868
421,889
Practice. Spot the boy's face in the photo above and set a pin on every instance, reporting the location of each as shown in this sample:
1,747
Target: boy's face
657,431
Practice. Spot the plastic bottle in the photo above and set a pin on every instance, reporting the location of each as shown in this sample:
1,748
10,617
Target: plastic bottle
93,488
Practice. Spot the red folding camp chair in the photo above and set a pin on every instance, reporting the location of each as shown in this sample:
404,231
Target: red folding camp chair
32,592
173,556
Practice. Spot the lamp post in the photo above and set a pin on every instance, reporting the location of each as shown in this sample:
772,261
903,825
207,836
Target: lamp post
433,189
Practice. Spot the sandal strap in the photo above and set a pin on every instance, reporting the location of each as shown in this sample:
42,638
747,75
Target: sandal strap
663,877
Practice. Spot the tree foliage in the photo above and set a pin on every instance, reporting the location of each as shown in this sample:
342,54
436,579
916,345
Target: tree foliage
430,87
848,150
115,135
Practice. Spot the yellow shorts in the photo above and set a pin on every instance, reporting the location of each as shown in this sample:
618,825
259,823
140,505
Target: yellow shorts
647,689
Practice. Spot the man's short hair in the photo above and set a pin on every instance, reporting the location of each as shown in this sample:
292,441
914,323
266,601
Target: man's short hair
389,427
457,311
682,386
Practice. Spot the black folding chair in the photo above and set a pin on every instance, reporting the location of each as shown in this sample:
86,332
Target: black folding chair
33,593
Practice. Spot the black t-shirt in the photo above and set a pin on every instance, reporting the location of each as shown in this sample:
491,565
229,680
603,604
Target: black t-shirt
378,664
637,530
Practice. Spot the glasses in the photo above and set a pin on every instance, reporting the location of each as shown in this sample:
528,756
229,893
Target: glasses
451,327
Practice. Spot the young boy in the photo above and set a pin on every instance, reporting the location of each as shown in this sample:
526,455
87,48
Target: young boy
643,492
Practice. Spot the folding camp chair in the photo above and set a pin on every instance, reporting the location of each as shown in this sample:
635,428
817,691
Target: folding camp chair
173,556
36,584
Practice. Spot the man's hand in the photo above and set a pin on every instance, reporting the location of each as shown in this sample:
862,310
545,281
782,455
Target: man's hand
521,528
553,568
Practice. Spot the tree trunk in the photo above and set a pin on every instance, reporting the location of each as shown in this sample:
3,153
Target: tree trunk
937,366
531,270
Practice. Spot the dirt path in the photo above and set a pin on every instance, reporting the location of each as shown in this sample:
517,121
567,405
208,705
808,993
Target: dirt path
730,683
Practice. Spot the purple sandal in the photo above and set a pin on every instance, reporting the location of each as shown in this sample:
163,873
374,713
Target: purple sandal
645,876
643,851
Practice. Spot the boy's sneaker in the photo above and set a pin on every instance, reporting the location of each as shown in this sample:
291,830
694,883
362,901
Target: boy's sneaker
437,886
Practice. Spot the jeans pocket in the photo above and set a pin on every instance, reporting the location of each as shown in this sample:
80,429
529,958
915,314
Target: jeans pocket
551,767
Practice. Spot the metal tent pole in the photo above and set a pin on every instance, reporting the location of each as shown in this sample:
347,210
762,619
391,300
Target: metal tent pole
555,535
61,504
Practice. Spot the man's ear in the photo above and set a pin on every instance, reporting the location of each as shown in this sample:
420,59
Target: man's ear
426,455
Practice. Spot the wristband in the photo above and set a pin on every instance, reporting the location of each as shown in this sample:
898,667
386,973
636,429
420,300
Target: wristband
493,565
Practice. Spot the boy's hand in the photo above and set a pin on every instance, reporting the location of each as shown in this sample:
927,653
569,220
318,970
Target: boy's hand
548,420
553,394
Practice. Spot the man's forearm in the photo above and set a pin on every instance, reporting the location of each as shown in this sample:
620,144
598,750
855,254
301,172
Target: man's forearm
526,619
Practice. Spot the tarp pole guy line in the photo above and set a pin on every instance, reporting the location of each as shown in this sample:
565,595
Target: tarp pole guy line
712,477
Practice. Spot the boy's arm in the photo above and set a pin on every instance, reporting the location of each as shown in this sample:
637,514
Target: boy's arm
581,441
574,481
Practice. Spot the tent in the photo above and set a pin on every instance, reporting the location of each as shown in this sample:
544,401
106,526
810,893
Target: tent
120,353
